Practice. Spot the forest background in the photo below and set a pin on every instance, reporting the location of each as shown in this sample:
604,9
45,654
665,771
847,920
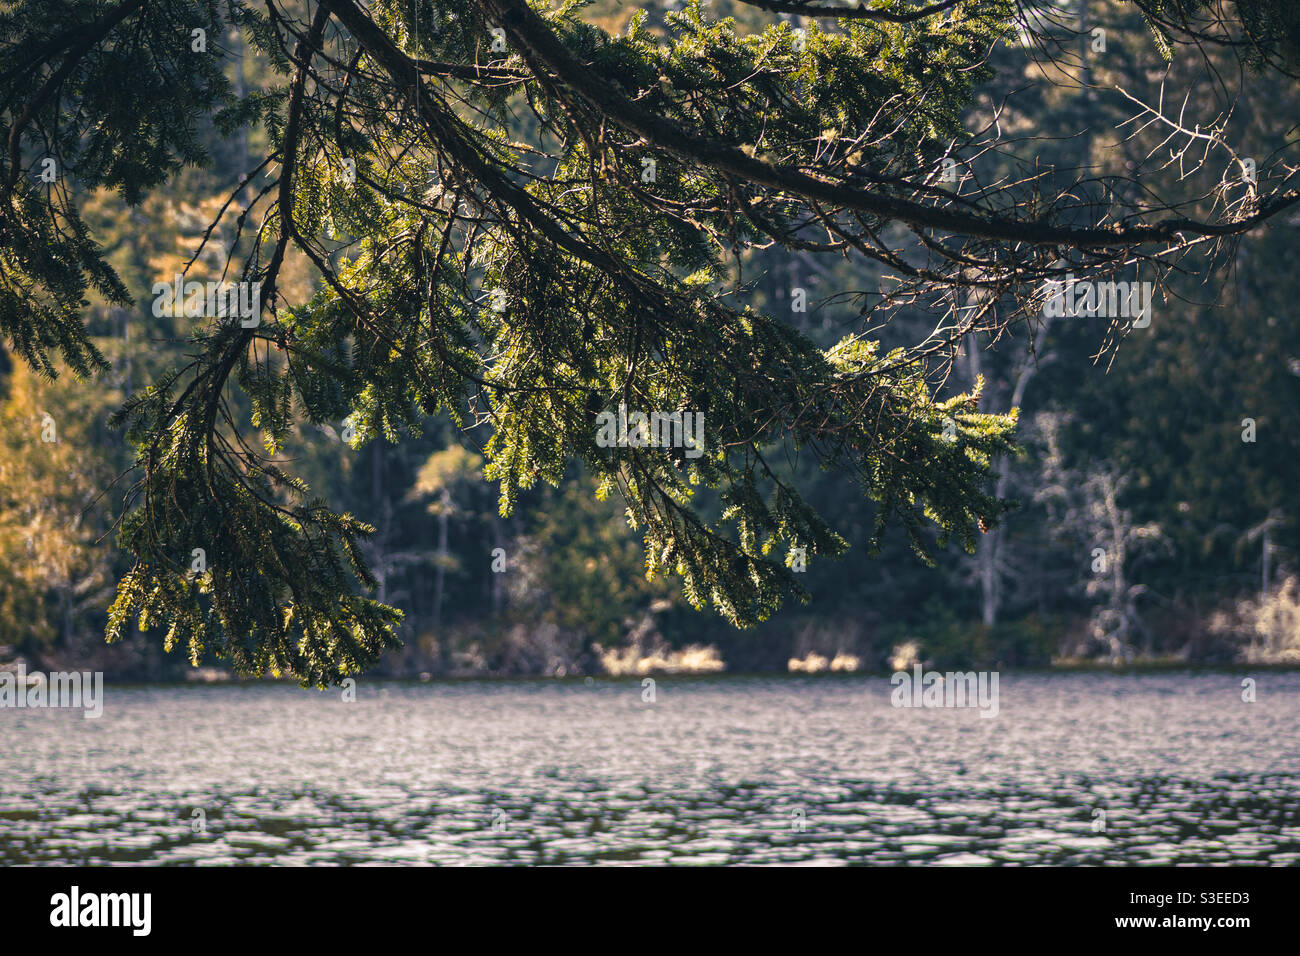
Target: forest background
1154,520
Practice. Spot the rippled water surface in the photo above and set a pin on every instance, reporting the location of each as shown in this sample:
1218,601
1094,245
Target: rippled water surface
1090,769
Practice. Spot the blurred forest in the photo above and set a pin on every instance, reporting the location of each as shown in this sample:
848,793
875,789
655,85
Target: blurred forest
1154,520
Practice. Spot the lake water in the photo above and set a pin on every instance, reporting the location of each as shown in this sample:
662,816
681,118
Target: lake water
797,770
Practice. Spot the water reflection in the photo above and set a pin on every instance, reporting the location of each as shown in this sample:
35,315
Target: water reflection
718,770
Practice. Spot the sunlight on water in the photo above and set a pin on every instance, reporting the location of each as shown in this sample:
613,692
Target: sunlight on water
717,770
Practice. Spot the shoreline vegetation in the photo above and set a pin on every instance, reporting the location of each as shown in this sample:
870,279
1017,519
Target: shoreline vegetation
1260,632
697,662
1255,633
204,677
